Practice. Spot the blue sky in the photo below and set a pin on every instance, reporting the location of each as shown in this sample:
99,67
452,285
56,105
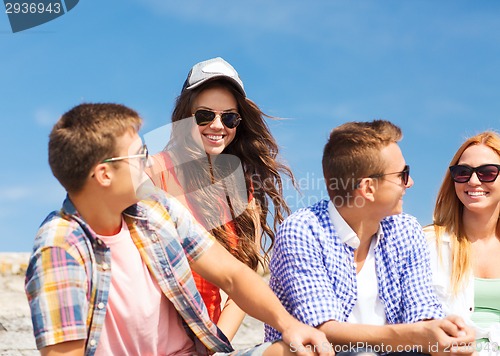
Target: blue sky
432,67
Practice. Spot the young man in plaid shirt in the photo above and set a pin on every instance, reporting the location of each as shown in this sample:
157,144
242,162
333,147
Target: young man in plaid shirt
111,274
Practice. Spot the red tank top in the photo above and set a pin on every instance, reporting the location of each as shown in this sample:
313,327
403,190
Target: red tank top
161,173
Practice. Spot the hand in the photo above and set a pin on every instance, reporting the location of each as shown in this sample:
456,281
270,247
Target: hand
450,336
302,339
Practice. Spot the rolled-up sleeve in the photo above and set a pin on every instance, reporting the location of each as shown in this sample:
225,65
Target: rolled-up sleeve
300,276
57,294
420,301
405,267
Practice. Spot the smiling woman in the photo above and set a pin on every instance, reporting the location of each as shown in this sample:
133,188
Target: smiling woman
465,238
214,108
221,162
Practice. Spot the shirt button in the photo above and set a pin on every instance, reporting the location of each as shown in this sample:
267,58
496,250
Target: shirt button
99,242
154,237
105,266
100,305
92,342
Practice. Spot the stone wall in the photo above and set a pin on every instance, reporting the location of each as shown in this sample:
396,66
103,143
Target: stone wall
13,263
16,335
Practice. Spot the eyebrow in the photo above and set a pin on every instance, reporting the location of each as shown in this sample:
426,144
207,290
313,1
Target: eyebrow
210,109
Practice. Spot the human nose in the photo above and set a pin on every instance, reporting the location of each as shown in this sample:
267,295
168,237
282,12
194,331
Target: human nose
217,123
410,182
474,180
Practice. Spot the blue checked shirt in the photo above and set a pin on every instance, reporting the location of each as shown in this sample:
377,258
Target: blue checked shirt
69,274
314,275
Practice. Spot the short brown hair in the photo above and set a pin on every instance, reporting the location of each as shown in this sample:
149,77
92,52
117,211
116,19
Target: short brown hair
353,152
83,137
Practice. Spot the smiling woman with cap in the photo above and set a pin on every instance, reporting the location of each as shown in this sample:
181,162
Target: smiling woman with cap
221,162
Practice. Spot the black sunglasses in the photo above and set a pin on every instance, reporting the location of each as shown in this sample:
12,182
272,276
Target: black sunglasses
404,174
229,119
486,173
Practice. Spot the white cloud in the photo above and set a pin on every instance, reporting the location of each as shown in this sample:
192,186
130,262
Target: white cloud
481,25
14,193
256,14
373,27
313,22
43,193
45,117
446,107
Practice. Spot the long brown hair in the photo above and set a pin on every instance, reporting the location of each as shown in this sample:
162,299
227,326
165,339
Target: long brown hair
257,152
449,210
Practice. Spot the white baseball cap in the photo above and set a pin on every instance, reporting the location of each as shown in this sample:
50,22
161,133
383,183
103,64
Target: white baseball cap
210,69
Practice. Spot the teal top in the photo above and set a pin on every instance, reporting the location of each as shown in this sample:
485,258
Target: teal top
486,303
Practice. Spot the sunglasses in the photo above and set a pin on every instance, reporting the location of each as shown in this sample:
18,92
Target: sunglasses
143,154
486,173
404,174
229,119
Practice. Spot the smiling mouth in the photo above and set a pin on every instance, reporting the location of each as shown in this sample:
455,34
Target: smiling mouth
214,137
476,194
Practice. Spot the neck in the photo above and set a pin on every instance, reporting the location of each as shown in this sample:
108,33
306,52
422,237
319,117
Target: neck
360,221
365,228
480,225
98,213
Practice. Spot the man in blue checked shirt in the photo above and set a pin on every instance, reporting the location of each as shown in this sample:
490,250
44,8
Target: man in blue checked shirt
355,266
110,274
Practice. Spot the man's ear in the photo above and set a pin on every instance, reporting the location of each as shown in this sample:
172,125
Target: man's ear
102,174
366,188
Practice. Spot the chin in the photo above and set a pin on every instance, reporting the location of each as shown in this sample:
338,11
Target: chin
214,151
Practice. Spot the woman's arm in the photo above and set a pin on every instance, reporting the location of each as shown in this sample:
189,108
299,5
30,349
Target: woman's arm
230,319
254,296
232,316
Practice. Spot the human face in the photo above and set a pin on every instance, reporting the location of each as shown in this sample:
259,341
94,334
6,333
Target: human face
215,136
128,172
390,188
474,194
